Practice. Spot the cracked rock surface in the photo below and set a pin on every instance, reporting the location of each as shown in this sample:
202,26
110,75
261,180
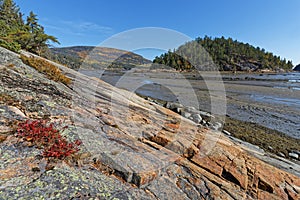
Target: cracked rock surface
132,148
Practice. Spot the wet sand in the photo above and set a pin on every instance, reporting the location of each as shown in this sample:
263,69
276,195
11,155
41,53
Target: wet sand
275,108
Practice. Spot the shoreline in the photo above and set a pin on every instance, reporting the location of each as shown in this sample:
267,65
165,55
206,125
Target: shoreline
271,146
258,105
279,144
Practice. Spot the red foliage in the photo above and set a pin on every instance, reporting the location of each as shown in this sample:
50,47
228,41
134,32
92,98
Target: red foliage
47,137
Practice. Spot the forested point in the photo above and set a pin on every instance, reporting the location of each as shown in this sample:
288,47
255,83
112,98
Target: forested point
17,33
223,54
297,67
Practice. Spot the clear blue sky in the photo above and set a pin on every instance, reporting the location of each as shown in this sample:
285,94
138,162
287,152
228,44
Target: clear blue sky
270,24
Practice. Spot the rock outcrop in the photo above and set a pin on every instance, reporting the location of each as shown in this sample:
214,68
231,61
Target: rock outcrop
132,148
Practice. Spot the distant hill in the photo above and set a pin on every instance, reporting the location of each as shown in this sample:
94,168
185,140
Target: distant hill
96,57
228,54
297,68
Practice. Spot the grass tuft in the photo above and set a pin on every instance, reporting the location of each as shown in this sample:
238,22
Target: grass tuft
47,68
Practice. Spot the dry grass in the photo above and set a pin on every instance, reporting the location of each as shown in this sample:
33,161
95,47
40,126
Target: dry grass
11,65
47,68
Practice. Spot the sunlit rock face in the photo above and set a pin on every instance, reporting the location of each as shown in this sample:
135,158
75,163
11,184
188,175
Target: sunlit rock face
131,148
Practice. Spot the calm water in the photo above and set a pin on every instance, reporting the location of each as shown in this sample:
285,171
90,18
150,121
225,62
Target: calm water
289,80
284,80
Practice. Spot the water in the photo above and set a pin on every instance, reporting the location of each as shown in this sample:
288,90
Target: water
289,80
282,81
286,80
272,99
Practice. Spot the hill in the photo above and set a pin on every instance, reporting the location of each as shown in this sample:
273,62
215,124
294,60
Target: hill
96,57
227,54
297,68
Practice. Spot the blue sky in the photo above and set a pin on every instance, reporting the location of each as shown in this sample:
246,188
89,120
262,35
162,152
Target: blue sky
270,24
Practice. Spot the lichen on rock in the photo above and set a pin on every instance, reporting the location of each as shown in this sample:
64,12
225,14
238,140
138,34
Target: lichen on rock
132,148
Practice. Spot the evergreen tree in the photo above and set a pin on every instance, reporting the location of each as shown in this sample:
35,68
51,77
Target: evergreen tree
38,41
16,35
11,23
228,54
32,22
10,14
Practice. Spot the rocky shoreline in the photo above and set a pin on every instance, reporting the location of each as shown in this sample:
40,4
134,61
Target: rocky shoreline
131,148
264,100
279,144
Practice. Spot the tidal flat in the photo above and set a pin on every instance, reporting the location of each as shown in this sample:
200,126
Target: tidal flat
262,109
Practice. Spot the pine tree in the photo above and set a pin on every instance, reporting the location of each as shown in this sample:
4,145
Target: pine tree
16,35
10,14
228,54
38,40
32,22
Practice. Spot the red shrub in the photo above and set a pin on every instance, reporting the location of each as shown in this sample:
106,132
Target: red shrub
47,137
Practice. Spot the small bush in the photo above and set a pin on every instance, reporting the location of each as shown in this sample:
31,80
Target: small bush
47,68
45,136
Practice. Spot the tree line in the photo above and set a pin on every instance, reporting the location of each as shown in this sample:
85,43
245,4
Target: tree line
17,33
227,54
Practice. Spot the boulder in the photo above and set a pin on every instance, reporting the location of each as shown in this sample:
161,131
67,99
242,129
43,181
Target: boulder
205,114
294,155
186,114
281,154
173,105
226,132
197,118
216,126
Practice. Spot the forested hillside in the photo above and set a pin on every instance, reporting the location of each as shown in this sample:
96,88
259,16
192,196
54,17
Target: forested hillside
17,33
297,68
227,54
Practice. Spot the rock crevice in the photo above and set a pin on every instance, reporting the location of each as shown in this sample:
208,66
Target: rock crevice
132,148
